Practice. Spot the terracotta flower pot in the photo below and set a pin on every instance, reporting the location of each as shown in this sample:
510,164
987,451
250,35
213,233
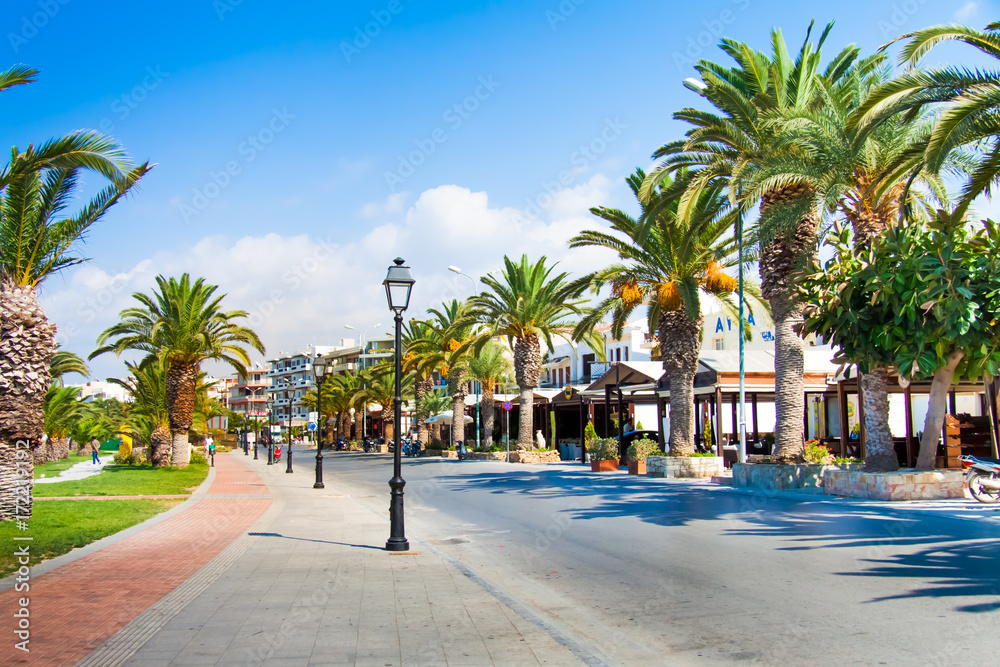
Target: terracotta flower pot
604,466
637,467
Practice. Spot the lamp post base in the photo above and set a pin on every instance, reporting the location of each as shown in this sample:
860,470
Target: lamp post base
397,535
289,468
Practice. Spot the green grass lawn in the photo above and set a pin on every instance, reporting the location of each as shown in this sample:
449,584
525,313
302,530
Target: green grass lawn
139,480
58,526
55,467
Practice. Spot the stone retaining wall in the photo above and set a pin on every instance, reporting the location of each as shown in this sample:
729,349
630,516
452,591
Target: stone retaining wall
548,456
774,477
488,456
683,466
905,484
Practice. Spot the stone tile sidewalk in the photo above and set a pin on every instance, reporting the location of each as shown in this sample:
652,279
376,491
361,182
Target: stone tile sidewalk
264,569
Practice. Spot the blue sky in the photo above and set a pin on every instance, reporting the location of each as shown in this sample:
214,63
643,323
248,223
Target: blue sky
301,146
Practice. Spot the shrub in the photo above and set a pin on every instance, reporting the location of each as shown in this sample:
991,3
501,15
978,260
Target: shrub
846,459
198,456
589,433
603,449
133,458
818,454
643,448
703,454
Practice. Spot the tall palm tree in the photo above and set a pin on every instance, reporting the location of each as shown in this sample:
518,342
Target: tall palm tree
526,304
669,262
182,324
380,387
147,385
490,367
864,175
418,336
446,347
731,142
37,240
970,118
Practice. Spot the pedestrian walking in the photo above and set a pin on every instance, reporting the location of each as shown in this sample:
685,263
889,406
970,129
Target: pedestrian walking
95,446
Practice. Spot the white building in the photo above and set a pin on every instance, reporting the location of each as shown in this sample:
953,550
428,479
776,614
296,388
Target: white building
96,390
291,377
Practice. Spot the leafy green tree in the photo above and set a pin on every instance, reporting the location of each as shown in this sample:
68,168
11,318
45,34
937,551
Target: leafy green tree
63,411
732,142
182,324
421,358
64,363
526,304
670,262
925,299
380,387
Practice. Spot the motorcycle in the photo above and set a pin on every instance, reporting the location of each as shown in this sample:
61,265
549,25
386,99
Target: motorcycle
410,447
982,478
462,452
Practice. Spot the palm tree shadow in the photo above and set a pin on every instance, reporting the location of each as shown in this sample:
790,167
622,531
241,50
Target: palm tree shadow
944,557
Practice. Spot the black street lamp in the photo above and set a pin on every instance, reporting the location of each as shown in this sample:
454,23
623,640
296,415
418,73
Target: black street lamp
398,285
270,404
319,370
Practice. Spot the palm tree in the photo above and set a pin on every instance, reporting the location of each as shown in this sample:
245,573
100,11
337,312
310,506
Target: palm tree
436,402
37,240
418,337
64,363
380,387
526,304
970,118
490,368
446,347
866,177
732,143
147,385
63,410
670,262
182,324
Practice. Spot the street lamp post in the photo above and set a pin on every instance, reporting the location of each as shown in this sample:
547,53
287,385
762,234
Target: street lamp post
319,370
246,429
398,285
270,418
475,290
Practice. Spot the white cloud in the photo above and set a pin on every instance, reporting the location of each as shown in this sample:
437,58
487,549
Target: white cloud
393,204
966,11
301,290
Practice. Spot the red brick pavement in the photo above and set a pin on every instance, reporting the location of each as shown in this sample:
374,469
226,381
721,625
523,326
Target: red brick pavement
77,607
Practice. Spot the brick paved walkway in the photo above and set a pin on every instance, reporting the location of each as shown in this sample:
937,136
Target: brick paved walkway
78,606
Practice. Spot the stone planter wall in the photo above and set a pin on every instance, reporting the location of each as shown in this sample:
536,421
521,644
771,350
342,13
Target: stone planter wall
905,484
683,466
772,477
488,456
548,456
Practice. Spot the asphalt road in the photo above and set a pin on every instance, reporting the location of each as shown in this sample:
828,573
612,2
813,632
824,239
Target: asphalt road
651,571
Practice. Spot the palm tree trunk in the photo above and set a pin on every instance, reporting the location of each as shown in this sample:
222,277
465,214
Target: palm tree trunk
880,454
781,258
159,446
456,387
27,343
181,382
934,420
422,387
388,423
488,414
527,366
680,340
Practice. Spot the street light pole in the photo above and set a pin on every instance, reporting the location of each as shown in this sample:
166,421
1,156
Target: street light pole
398,285
743,396
319,370
475,290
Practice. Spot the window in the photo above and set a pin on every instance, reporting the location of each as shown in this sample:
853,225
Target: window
626,354
719,343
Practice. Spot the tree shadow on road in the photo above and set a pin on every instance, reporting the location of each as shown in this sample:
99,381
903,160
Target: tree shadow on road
950,558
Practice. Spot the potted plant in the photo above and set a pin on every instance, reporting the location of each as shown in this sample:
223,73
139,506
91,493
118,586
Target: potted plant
637,453
603,454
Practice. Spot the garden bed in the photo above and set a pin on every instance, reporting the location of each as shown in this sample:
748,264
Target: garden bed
547,456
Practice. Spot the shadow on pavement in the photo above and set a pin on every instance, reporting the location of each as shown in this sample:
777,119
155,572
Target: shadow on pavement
953,558
306,539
